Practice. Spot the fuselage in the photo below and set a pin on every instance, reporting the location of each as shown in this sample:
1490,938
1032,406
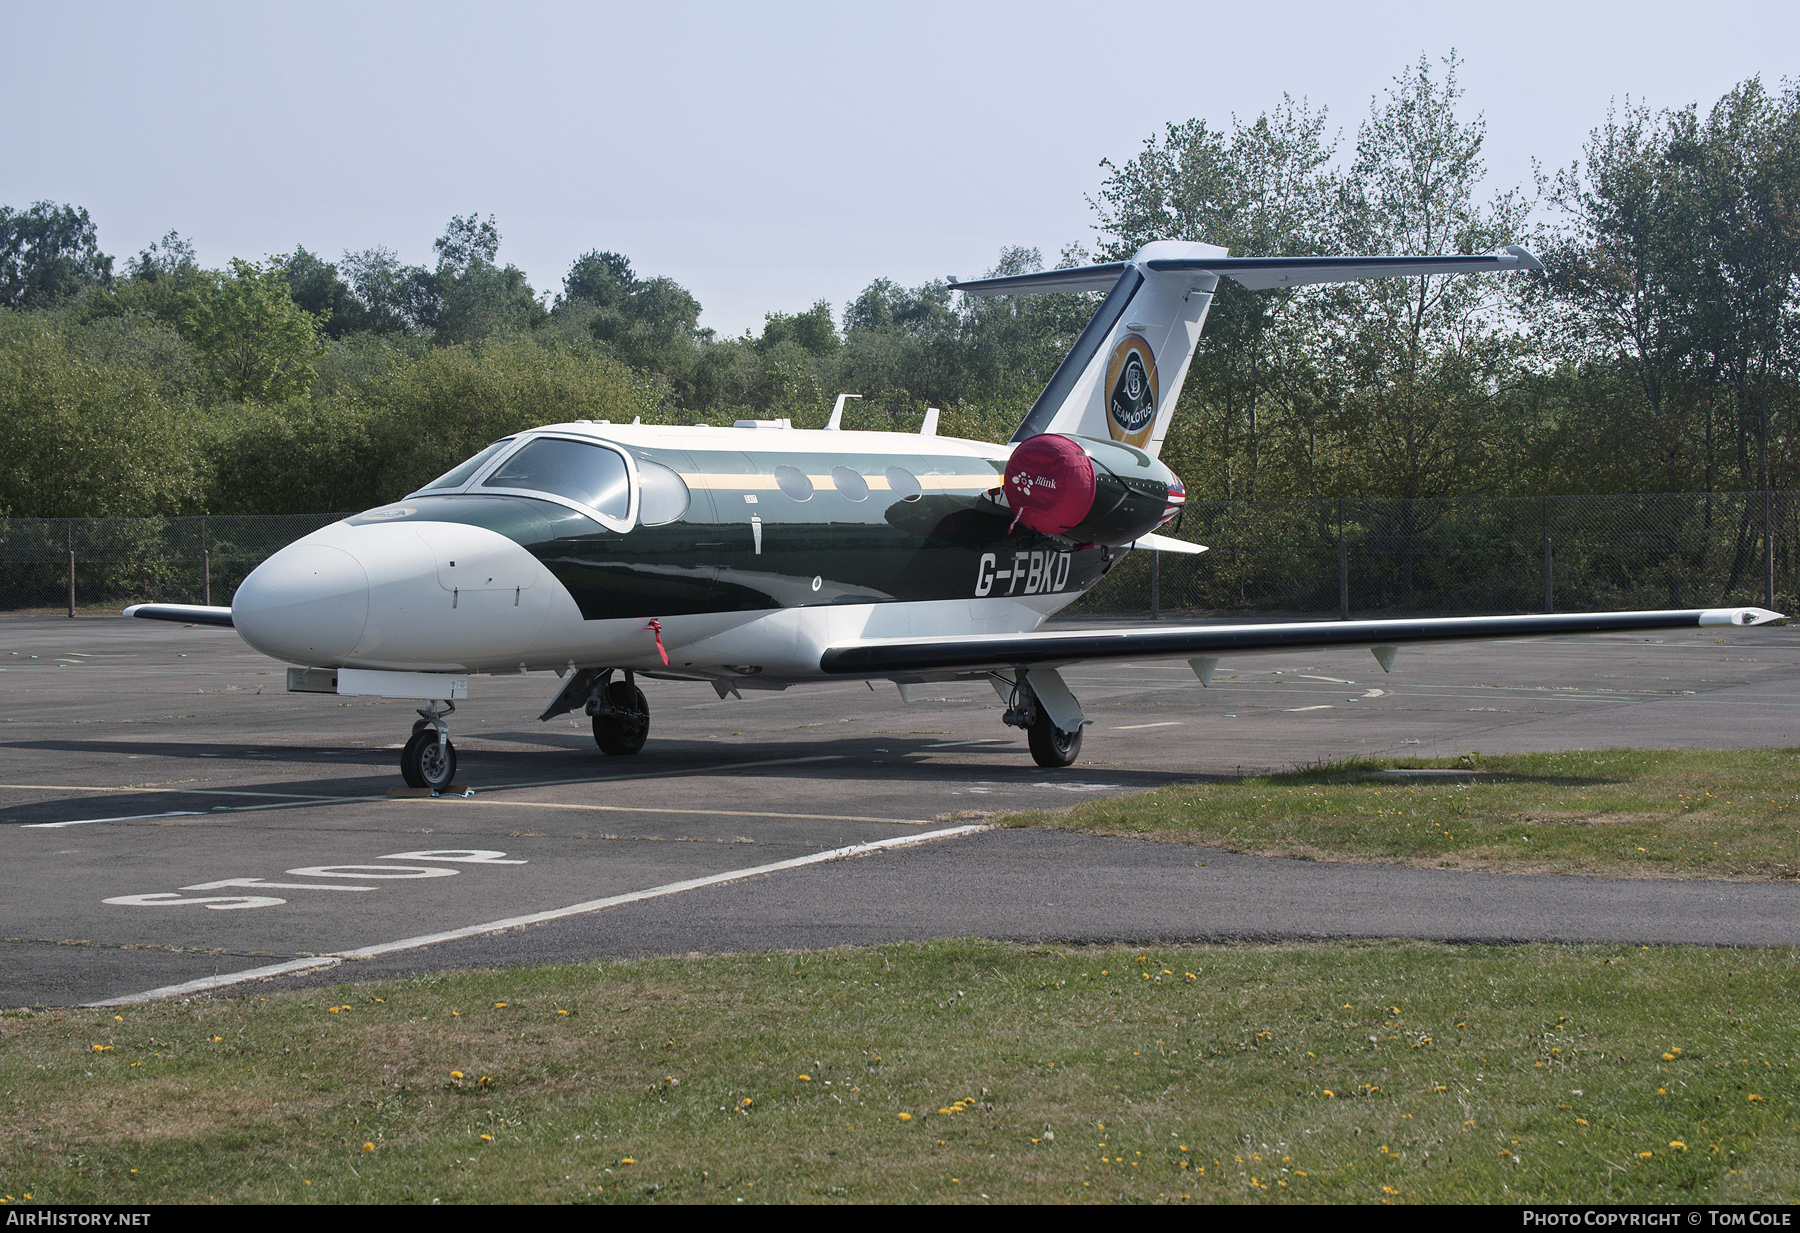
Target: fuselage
743,552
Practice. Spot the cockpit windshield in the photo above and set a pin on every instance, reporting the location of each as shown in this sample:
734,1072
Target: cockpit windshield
459,475
591,475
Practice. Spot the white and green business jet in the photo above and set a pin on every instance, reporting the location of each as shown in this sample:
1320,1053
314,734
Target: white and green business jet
762,556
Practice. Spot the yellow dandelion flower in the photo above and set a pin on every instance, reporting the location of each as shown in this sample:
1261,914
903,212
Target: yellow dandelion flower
806,1078
1581,1121
456,1074
499,1005
487,1138
1754,1096
1678,1145
1330,1095
562,1012
627,1160
1668,1057
906,1117
116,1019
1645,1155
368,1147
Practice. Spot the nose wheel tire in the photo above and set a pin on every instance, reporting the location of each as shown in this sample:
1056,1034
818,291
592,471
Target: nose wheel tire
1050,745
426,764
626,729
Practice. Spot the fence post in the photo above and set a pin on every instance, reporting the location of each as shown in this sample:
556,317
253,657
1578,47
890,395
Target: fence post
1549,579
205,565
70,524
1156,586
1768,549
1343,566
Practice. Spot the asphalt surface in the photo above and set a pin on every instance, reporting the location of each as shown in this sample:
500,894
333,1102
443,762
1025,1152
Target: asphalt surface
164,767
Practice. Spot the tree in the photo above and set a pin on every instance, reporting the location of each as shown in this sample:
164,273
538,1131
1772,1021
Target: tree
48,253
477,297
258,343
1263,189
1424,359
1672,293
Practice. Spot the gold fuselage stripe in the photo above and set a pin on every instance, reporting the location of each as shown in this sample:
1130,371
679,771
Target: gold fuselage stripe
746,483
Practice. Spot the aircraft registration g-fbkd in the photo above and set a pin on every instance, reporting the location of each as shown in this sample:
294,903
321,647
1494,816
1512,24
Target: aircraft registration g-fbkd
761,556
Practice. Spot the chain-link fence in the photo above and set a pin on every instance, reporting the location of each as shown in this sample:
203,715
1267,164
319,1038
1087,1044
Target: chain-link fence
90,563
1301,558
1504,555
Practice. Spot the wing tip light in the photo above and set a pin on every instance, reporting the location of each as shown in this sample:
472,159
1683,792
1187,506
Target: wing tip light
1742,616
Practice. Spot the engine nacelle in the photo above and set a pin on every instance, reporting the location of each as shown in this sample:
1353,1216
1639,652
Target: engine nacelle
1089,491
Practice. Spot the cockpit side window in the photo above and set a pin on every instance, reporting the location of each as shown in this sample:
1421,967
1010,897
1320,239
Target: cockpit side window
664,496
591,475
461,473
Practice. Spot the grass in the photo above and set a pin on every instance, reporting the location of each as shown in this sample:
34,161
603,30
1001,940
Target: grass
1688,813
952,1071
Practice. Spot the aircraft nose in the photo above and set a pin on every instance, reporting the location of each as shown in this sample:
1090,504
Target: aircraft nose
307,604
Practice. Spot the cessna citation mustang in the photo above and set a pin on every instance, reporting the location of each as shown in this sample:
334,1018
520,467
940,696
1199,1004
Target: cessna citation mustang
761,556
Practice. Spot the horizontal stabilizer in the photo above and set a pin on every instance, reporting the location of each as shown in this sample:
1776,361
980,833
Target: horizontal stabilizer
878,657
1256,273
187,614
1165,543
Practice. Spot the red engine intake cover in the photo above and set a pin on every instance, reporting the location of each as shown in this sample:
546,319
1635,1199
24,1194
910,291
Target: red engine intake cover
1049,483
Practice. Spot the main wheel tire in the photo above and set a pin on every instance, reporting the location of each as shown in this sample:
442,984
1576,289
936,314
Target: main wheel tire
409,759
1050,745
424,763
628,727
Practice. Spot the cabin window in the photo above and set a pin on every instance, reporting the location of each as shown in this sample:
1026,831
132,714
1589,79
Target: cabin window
664,495
850,483
904,484
461,474
590,475
795,482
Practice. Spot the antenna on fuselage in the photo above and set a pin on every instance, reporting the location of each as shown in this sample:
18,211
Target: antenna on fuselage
837,413
929,427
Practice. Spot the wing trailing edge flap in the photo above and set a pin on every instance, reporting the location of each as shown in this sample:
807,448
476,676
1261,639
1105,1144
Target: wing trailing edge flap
1051,648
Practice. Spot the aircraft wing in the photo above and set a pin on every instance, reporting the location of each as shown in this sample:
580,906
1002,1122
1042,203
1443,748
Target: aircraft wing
1055,647
187,614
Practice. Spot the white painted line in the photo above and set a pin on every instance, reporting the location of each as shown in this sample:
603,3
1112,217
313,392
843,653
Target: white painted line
699,813
1307,676
130,817
1294,709
535,918
1167,723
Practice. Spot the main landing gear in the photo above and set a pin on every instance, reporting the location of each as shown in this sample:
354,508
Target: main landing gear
428,760
1050,745
620,712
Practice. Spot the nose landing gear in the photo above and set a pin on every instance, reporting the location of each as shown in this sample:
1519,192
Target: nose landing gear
428,759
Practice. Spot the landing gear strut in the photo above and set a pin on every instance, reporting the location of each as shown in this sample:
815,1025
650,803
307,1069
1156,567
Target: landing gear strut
428,759
1050,745
619,709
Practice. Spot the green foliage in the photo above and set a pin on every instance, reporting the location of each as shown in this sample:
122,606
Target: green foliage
48,253
257,342
89,440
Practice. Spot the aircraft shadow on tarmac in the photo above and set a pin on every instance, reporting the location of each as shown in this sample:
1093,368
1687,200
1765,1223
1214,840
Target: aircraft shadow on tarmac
361,773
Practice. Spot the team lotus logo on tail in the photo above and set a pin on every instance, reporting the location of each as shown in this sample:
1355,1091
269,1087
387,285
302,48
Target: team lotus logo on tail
1131,391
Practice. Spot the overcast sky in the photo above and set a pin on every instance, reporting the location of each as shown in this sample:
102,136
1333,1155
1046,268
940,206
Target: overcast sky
763,155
